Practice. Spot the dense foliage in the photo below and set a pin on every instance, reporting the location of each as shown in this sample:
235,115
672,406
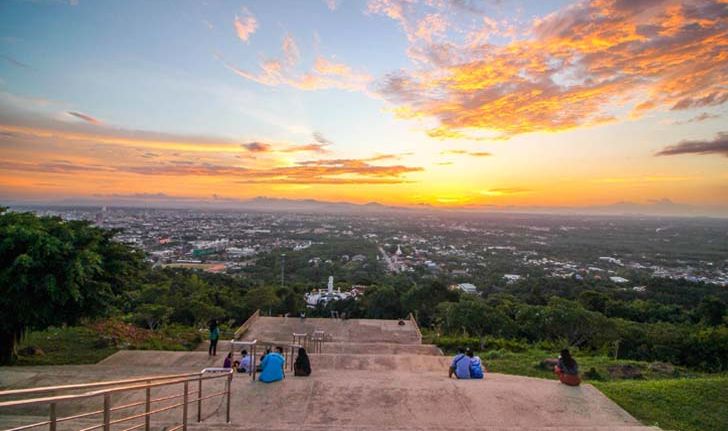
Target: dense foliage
54,272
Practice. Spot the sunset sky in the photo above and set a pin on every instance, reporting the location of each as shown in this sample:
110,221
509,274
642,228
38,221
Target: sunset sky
512,104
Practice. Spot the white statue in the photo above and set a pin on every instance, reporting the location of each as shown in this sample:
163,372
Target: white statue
331,284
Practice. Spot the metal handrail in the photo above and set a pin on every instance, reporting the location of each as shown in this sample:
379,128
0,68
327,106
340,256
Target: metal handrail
90,385
126,385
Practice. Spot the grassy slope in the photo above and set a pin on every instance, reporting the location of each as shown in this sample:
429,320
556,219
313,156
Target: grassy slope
76,345
674,404
679,400
92,343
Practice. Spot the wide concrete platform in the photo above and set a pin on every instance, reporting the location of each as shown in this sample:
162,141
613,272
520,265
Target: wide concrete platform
372,375
403,399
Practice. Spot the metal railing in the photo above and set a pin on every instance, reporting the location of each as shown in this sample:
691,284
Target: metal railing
117,387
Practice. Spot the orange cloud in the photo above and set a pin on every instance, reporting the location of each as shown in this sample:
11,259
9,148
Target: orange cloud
324,75
573,68
245,25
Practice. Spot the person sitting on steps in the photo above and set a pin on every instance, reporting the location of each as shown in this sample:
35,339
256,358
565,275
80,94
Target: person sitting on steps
476,366
567,369
460,365
302,366
228,361
244,366
272,366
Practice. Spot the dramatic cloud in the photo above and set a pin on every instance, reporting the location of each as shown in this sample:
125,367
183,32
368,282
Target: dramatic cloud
337,171
340,171
718,145
576,67
245,25
87,118
325,74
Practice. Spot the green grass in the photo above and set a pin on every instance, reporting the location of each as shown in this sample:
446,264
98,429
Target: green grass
64,346
528,363
91,343
676,404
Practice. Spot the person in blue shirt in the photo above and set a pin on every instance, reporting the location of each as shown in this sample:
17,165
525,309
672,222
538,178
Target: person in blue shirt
460,365
272,367
214,336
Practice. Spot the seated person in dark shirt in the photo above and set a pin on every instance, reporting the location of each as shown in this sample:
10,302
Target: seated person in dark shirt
567,369
302,366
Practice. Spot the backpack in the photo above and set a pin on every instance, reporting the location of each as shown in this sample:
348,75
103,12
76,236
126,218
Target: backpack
476,372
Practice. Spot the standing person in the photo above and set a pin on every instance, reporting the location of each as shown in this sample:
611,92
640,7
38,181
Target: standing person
272,367
567,369
460,365
302,366
214,336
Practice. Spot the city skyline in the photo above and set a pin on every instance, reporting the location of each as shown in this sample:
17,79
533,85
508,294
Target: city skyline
446,103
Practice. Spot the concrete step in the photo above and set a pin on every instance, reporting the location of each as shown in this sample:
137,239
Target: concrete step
347,347
379,362
356,330
194,361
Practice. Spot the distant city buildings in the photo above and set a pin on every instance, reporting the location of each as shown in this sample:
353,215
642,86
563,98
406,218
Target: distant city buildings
321,297
468,288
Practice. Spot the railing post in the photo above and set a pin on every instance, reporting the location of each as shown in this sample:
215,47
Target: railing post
107,412
148,407
199,399
253,361
229,386
185,400
52,417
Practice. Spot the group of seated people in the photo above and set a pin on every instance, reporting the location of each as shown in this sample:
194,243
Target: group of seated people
465,365
272,364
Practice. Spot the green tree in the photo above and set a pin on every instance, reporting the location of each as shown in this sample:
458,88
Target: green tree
382,302
55,272
711,311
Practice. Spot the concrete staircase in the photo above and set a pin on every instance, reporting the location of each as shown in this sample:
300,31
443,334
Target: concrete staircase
373,375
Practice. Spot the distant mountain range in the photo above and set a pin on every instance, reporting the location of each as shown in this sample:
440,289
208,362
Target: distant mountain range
663,207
